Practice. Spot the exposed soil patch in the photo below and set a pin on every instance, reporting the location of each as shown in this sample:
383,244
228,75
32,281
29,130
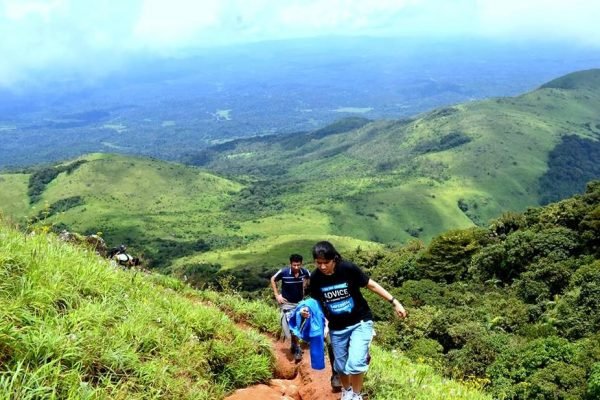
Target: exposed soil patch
294,381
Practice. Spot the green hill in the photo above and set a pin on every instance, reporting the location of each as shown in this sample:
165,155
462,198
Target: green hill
158,207
390,181
164,211
586,80
358,182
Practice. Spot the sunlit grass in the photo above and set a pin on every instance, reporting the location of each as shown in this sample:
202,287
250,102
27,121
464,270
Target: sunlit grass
393,376
13,198
272,251
74,327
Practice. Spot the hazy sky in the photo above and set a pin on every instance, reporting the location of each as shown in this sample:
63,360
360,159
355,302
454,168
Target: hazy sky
57,36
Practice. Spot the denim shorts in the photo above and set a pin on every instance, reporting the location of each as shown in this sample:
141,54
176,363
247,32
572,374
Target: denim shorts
351,348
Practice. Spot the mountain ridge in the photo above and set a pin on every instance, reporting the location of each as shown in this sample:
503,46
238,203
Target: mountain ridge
587,79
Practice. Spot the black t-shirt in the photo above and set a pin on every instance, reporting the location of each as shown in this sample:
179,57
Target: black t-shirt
340,295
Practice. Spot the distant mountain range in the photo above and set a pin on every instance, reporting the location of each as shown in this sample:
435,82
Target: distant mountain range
165,107
357,182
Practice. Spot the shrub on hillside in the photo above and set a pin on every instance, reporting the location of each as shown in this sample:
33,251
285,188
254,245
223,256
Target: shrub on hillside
448,256
571,164
590,230
515,366
420,325
545,279
446,142
559,380
422,292
473,359
40,178
593,383
577,314
391,266
507,260
426,350
507,223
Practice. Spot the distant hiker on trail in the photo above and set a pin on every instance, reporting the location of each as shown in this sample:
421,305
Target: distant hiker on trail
120,256
294,280
336,284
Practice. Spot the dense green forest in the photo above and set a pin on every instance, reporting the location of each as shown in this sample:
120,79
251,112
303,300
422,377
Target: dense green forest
514,305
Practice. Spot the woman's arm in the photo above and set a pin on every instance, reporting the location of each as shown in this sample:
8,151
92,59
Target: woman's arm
376,288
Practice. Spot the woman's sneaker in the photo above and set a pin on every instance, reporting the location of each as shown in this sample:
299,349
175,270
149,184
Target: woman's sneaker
357,396
347,394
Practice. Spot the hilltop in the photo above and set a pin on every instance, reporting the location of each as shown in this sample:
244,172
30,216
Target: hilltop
584,80
359,182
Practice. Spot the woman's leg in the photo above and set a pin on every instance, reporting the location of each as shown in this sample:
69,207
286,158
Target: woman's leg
357,362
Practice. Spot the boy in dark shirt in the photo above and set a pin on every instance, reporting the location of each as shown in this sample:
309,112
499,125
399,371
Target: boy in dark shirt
294,280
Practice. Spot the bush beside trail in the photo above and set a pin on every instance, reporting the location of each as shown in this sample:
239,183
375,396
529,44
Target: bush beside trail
514,305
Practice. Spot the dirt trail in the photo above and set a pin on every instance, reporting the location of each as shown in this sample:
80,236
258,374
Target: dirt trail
293,381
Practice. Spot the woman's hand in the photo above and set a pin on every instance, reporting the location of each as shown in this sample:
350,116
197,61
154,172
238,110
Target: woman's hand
399,309
280,299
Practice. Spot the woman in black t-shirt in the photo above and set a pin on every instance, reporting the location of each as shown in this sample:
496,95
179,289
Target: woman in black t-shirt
336,285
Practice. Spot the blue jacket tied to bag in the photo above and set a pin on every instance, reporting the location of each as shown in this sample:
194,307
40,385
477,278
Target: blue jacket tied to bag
311,330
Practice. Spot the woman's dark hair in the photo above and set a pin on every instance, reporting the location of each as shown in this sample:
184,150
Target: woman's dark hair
295,258
325,250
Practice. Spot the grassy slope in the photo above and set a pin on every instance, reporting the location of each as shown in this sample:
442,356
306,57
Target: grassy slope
74,327
131,199
271,252
13,198
125,193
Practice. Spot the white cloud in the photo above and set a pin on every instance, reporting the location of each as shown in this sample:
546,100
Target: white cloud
16,9
167,23
575,20
92,35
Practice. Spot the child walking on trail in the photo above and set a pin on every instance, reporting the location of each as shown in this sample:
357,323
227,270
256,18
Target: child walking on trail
336,284
294,280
